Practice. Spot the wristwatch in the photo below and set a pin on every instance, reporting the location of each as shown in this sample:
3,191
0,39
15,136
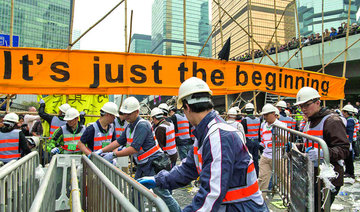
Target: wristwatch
114,155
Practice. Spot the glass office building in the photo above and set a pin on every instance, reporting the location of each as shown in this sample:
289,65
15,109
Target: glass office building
38,23
335,13
140,43
168,27
263,20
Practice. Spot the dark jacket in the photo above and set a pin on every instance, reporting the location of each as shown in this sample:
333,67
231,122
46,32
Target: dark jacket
334,135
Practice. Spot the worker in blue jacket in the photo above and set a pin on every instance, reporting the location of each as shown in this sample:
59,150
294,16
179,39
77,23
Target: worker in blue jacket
219,157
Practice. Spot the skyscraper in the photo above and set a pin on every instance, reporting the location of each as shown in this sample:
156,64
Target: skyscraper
168,27
38,23
140,43
335,13
263,20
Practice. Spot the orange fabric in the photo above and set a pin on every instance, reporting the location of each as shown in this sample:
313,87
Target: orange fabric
10,156
119,129
149,152
71,139
102,138
253,125
180,134
314,132
182,122
170,140
183,128
9,141
169,147
9,148
251,168
168,133
241,193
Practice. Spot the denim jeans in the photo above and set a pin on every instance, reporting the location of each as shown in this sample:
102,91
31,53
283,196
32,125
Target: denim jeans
169,200
183,150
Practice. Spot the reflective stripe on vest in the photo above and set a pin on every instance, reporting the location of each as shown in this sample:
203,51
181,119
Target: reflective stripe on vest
142,155
253,127
302,125
316,131
192,136
170,146
9,146
183,127
71,139
119,128
288,121
55,124
356,129
238,194
100,137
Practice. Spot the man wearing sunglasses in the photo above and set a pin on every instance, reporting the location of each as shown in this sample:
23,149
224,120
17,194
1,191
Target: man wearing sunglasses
327,126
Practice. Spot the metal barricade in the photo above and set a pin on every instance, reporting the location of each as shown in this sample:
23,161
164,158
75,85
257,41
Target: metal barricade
75,204
142,198
45,197
293,173
102,195
18,185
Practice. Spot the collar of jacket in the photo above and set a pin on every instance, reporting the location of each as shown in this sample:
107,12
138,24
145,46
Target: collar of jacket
202,128
323,112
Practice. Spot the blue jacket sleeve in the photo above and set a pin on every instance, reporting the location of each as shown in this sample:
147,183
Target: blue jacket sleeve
350,129
178,176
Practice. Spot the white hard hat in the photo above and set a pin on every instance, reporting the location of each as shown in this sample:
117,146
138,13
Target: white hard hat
64,107
191,86
268,108
277,111
249,106
130,105
12,117
305,94
71,114
34,140
287,113
157,112
281,104
348,108
111,108
232,111
164,107
237,109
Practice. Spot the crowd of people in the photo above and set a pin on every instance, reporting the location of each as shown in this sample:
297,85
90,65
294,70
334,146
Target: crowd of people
294,43
232,159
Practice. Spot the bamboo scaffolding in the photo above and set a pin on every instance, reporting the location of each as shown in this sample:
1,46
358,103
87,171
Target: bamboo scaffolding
101,19
11,23
346,45
71,24
252,47
276,38
184,14
299,35
242,28
250,99
125,28
322,40
221,32
131,18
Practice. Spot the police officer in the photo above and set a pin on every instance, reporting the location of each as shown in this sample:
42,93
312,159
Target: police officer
165,134
13,143
140,141
227,175
65,139
100,133
251,128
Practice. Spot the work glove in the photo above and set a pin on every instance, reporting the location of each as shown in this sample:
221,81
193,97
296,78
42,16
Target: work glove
55,150
312,153
41,101
99,152
82,113
148,182
108,156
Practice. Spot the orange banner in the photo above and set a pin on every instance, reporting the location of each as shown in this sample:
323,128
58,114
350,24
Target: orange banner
47,71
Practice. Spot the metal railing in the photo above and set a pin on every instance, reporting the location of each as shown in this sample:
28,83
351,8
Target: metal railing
102,194
286,168
142,198
75,204
18,185
46,195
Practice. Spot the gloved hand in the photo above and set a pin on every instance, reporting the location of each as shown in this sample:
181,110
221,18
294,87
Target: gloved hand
98,152
55,150
148,182
288,146
82,113
41,101
313,153
108,156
